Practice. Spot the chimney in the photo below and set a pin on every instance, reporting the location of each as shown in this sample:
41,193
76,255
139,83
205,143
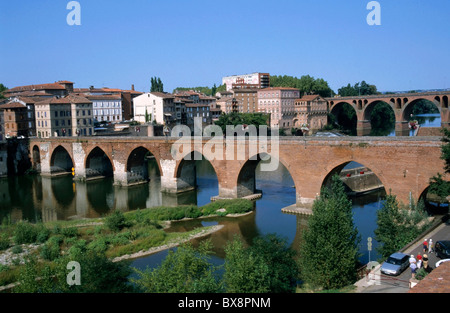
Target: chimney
132,87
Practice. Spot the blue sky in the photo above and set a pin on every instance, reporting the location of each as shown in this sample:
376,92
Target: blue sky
197,42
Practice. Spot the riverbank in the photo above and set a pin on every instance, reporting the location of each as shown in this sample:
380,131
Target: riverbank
120,236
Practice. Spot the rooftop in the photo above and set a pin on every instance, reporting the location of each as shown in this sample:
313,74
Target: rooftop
438,281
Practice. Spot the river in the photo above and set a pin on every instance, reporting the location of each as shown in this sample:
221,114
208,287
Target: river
36,198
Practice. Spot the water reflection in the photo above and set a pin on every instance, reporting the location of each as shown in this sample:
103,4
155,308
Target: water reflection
36,198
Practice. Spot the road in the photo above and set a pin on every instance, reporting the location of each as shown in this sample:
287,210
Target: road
400,284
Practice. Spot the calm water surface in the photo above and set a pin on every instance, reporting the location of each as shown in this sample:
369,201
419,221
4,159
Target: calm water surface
37,198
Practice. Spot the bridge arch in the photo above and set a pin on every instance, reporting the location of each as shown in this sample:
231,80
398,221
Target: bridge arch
346,114
137,166
61,161
186,170
408,108
357,177
36,158
384,121
246,178
98,164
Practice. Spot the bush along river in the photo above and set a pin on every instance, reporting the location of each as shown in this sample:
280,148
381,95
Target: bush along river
36,198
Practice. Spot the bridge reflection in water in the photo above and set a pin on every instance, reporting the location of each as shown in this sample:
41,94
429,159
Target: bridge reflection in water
60,198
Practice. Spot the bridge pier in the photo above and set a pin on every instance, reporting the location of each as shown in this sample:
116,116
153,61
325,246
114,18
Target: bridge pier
402,128
363,128
78,158
45,157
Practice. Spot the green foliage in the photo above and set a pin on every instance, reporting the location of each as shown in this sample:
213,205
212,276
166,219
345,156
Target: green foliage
424,107
445,149
359,89
156,85
25,232
98,274
3,88
116,221
382,119
43,233
306,84
205,90
439,187
4,241
398,225
283,269
245,270
50,251
329,251
35,279
234,119
186,270
17,249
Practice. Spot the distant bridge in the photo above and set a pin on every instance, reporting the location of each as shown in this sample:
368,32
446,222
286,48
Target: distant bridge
401,104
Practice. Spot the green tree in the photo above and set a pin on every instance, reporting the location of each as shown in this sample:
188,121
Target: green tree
397,224
235,119
156,85
329,251
440,188
306,84
186,270
283,269
359,89
445,149
245,270
3,88
98,275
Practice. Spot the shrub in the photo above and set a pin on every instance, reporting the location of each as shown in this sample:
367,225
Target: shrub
43,233
25,232
69,232
17,249
116,221
4,242
50,250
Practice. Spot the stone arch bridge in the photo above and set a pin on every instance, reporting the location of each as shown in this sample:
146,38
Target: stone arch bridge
401,104
404,165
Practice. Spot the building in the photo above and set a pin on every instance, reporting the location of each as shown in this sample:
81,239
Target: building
311,111
126,103
106,107
17,117
279,102
61,88
157,107
68,116
201,110
254,80
247,100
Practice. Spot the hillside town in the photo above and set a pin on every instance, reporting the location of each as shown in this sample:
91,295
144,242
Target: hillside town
59,109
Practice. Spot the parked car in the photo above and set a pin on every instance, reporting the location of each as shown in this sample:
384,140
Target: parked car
442,249
395,264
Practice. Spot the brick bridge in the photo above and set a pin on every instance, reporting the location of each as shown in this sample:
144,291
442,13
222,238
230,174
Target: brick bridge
404,165
401,104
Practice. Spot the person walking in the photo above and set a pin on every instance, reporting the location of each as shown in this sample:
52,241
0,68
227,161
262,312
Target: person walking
430,246
426,266
413,267
419,261
425,246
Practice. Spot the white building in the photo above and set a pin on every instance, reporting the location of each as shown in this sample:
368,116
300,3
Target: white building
154,106
106,107
254,80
